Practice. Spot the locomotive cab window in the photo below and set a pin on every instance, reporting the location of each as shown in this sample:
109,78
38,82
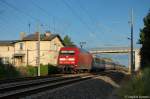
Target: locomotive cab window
67,52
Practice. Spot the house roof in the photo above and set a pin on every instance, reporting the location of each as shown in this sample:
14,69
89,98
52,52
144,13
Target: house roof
7,42
31,37
43,37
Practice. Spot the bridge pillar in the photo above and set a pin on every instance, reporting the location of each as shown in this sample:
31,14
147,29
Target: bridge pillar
137,60
129,62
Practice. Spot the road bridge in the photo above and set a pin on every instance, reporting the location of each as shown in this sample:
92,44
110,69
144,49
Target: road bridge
120,50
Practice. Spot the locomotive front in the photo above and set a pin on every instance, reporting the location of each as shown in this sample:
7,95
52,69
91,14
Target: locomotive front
67,59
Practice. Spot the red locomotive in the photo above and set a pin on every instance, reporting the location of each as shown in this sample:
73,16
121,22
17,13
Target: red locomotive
74,59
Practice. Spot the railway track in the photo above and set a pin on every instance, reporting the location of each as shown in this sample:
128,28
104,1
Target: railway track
23,88
2,81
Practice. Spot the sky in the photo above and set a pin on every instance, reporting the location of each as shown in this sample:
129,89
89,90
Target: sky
99,23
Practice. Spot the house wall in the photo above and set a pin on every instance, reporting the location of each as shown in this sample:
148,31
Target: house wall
49,51
6,54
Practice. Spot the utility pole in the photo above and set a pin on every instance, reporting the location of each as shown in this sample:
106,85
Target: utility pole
132,62
38,49
27,57
29,25
54,23
82,43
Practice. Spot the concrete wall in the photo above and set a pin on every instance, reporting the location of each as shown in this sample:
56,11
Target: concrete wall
137,60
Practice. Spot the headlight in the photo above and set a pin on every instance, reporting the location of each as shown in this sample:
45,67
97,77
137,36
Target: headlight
62,59
71,59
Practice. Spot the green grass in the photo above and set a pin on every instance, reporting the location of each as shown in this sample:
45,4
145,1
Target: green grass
137,86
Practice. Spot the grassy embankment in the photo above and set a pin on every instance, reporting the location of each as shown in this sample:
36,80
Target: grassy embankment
137,86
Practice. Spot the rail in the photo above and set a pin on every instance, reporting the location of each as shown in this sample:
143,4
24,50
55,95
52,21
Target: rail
24,88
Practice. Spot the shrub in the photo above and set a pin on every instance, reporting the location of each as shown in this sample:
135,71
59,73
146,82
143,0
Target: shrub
8,71
52,69
44,70
137,86
31,71
22,70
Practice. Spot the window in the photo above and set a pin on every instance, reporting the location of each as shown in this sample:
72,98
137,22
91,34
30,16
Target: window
53,46
21,46
69,52
5,60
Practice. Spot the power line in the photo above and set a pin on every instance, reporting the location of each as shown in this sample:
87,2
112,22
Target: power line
91,18
54,18
80,19
18,10
39,7
16,17
86,12
47,13
92,33
5,20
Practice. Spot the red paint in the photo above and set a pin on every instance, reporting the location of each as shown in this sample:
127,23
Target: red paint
75,57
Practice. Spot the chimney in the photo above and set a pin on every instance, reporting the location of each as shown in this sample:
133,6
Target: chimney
22,35
36,35
48,34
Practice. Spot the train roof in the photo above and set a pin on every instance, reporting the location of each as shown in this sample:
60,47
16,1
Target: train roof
74,48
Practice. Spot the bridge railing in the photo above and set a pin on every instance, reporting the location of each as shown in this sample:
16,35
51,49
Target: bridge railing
121,68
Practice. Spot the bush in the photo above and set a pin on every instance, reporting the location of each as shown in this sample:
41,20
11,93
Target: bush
52,69
22,70
137,86
32,71
44,70
8,71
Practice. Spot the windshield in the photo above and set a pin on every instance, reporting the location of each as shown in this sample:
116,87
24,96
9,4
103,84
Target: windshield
70,52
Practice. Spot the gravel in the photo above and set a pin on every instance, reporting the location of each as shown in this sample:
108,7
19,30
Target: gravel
100,87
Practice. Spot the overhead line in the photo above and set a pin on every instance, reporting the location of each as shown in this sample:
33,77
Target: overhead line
84,9
90,17
18,10
92,33
74,12
6,21
46,12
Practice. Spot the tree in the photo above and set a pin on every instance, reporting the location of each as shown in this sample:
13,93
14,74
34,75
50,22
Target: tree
67,41
145,41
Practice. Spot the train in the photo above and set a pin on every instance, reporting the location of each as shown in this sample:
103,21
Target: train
103,64
74,59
